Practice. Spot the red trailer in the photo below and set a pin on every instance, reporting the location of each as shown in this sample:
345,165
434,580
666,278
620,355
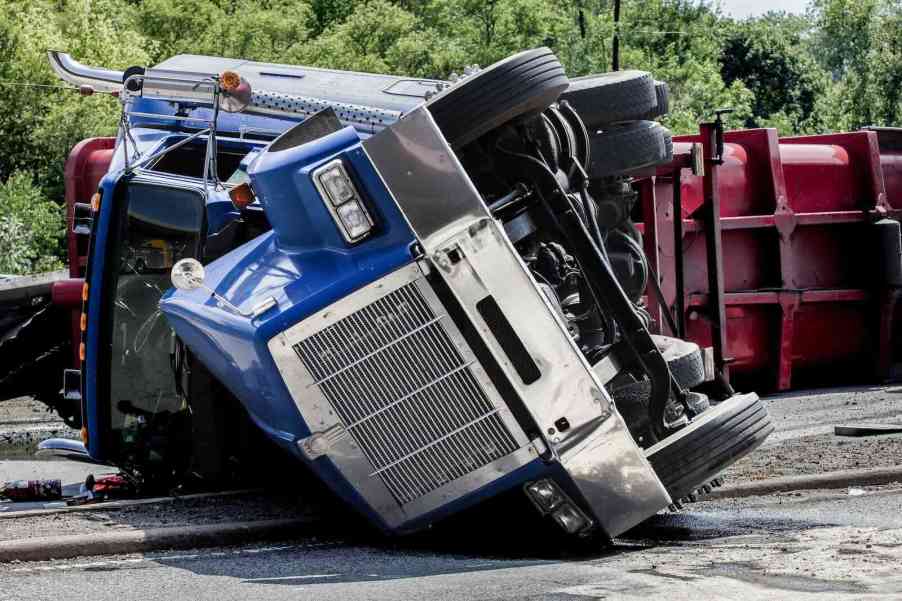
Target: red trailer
804,261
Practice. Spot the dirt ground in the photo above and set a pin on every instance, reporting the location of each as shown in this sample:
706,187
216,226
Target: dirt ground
196,512
24,423
25,410
804,442
816,455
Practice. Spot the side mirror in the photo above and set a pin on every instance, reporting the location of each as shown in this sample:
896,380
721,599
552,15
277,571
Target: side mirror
188,274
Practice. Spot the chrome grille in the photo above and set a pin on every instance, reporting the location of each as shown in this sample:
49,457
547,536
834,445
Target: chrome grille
406,393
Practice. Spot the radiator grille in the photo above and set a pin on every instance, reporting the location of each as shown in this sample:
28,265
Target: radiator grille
406,394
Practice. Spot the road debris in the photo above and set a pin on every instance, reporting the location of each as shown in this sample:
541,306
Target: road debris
868,429
32,490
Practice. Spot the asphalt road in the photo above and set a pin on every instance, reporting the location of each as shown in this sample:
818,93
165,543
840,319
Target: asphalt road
834,546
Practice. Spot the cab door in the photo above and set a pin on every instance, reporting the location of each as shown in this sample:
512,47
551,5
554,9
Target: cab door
135,415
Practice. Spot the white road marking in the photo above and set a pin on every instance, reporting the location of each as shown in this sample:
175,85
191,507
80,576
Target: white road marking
304,577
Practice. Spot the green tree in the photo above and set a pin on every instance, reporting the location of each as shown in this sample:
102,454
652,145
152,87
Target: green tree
31,228
379,36
41,124
770,56
680,42
262,30
859,41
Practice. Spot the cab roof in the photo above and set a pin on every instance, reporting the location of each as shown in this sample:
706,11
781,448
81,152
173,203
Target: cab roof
390,92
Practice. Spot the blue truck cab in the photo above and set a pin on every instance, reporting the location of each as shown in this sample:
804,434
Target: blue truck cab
406,290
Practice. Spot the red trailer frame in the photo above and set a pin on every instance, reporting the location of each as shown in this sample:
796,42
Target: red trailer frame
793,260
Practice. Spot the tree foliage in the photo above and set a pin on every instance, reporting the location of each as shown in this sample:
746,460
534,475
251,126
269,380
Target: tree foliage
860,42
31,227
837,67
770,56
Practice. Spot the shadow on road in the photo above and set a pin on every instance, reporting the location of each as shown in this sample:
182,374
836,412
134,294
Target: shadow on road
492,538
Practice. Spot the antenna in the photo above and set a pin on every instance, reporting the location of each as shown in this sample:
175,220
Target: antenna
615,46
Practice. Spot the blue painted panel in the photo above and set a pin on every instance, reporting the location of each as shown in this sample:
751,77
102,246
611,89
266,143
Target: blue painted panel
294,207
306,265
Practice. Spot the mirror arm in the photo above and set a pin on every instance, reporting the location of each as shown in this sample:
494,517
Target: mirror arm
225,303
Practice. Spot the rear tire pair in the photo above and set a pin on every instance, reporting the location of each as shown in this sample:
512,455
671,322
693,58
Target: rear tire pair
526,84
618,109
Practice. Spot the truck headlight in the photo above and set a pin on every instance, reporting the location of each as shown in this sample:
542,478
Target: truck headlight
545,494
571,519
343,201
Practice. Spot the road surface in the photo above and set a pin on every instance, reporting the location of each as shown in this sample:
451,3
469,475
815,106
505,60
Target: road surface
797,546
844,544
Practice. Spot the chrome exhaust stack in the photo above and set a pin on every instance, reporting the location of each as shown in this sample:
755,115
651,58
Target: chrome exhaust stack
72,71
201,88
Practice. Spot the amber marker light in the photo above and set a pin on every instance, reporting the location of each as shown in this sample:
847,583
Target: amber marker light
236,92
242,195
229,80
81,352
84,322
84,292
95,202
84,435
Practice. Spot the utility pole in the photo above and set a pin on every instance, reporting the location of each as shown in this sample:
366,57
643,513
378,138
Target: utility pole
615,47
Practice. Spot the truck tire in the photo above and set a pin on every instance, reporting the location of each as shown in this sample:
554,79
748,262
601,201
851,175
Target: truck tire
684,359
628,147
523,84
662,101
612,97
713,441
225,446
662,96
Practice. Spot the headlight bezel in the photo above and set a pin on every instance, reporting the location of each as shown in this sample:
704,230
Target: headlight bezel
333,203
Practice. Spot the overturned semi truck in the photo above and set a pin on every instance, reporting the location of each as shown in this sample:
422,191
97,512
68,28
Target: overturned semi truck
429,293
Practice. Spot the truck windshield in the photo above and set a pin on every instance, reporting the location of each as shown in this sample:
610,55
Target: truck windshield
157,227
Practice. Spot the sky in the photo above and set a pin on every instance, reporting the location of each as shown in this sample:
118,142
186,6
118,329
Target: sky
752,8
